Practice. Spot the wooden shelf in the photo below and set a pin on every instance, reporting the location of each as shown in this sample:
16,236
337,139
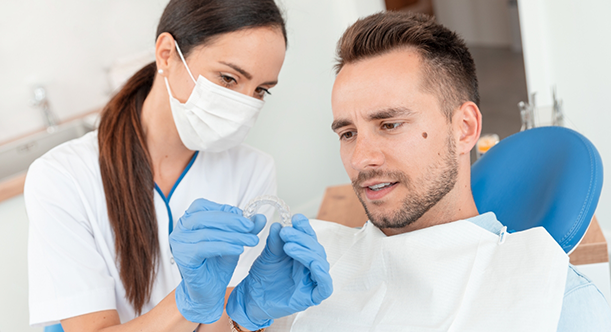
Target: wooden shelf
12,187
593,247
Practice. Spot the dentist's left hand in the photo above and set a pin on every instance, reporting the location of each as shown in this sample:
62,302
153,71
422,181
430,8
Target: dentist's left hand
206,244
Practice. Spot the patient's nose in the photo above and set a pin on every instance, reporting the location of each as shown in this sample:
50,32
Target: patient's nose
366,154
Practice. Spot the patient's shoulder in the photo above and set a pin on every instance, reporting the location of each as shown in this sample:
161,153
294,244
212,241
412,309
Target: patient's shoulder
576,280
584,307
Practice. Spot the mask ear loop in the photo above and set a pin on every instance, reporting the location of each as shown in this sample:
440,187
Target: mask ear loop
183,61
167,85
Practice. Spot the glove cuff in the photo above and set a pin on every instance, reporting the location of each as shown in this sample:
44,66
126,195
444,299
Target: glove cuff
237,311
196,312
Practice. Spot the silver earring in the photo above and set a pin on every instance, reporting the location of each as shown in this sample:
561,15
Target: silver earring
160,71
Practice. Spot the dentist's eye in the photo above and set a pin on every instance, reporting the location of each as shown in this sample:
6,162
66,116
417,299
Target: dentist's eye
391,126
261,92
227,80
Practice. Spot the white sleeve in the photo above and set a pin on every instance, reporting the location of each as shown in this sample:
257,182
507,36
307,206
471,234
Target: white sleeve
68,276
262,182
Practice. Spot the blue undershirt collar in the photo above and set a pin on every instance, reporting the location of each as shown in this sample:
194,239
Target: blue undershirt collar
166,200
488,222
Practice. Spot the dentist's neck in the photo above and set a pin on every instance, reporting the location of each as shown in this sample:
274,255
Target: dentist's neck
169,156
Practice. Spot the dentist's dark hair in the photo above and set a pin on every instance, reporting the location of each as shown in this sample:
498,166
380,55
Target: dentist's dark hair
125,163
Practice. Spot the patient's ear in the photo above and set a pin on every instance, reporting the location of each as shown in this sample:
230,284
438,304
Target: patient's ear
467,123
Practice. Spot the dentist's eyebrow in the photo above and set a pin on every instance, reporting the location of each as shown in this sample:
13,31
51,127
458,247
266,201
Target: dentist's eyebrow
389,113
238,69
245,73
339,124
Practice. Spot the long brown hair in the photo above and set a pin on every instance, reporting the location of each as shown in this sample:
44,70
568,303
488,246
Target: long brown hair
125,162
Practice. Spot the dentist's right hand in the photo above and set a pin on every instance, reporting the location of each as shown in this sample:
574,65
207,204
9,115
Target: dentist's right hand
206,244
290,275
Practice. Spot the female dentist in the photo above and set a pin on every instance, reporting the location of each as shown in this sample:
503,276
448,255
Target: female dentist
100,207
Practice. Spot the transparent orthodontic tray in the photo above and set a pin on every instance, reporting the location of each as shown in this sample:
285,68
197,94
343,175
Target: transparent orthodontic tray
253,206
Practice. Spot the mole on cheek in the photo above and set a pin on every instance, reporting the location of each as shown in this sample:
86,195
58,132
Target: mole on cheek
425,135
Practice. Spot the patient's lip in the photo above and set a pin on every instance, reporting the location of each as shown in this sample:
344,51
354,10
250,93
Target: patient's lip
374,195
370,183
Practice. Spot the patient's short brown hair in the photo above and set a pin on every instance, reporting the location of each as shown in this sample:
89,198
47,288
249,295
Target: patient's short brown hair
449,70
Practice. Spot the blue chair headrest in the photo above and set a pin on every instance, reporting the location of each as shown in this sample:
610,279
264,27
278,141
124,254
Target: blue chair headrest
54,328
547,176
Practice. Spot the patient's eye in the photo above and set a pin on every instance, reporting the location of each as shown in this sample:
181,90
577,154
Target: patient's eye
391,126
347,135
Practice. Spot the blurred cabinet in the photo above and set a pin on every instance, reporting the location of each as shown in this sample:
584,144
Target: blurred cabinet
399,4
420,6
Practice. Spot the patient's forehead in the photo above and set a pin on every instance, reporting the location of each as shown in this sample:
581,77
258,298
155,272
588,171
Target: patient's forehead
388,81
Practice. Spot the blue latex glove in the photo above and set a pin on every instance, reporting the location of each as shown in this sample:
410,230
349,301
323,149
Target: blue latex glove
206,244
290,275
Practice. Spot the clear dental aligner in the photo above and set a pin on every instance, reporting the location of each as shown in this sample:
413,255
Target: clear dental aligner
253,206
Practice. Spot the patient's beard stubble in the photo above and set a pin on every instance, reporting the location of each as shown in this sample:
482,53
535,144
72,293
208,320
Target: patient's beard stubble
439,179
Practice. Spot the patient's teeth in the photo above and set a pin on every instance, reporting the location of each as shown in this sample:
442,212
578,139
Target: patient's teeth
379,186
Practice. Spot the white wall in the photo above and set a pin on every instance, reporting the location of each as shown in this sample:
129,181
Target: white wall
14,261
566,43
65,45
479,22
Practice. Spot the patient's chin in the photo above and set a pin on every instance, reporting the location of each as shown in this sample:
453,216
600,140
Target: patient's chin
385,223
390,214
394,220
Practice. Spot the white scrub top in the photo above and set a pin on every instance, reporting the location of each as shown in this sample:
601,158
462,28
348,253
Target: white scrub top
71,251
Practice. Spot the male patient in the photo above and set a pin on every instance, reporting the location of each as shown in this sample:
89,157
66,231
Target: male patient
405,110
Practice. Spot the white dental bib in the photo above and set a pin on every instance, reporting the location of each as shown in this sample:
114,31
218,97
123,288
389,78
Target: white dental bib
452,277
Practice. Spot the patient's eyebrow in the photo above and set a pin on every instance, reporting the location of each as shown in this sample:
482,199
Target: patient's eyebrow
389,113
339,124
382,114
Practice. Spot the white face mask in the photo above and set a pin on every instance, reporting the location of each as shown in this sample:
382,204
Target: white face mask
214,118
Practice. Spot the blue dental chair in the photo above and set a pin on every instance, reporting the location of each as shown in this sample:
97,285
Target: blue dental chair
547,176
